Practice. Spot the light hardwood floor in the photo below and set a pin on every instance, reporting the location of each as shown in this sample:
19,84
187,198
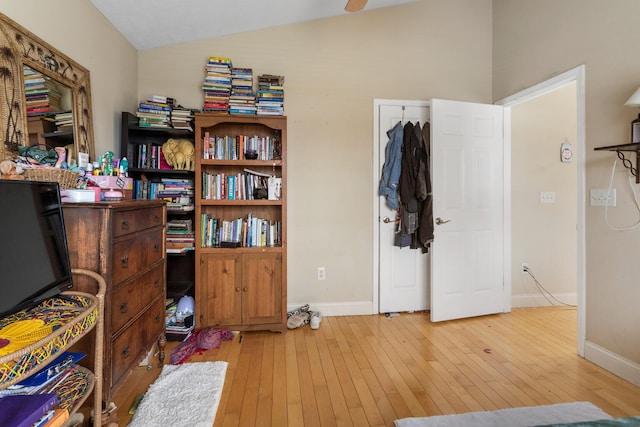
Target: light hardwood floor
370,370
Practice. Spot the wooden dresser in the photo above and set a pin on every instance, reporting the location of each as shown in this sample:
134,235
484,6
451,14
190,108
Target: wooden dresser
125,243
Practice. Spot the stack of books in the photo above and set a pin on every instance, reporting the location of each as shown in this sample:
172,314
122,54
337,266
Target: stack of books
155,112
270,95
178,192
181,118
64,120
41,94
180,237
217,85
242,99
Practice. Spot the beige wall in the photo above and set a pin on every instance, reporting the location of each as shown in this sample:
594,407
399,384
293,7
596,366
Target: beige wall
535,39
77,29
334,68
544,235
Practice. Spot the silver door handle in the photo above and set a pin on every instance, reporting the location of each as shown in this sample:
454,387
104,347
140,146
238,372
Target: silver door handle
440,221
386,220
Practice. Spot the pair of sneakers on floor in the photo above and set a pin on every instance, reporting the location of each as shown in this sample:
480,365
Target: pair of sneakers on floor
301,316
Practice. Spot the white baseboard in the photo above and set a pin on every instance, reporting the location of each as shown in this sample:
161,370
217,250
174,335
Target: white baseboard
537,300
354,308
613,363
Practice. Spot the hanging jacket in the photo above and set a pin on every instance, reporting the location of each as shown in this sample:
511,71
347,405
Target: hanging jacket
425,227
409,170
390,178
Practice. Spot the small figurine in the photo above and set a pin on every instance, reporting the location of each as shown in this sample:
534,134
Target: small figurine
11,170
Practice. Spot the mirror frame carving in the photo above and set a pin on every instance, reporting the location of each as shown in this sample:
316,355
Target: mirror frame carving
18,47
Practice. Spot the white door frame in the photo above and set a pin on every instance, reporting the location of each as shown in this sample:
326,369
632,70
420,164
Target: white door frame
576,75
376,185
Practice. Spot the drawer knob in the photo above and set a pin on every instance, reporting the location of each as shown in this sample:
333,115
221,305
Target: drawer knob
124,307
156,218
156,283
125,352
156,247
125,225
157,318
237,289
125,261
245,289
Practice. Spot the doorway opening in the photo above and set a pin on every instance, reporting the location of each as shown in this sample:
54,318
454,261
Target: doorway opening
572,81
575,76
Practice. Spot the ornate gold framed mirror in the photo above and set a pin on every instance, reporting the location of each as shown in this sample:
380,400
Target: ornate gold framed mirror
46,96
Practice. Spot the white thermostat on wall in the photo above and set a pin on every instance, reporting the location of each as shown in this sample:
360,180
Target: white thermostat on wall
566,152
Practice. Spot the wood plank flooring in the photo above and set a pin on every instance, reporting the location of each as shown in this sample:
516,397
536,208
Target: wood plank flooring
370,370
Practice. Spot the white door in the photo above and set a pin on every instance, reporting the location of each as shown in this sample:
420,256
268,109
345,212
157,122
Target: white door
403,272
467,180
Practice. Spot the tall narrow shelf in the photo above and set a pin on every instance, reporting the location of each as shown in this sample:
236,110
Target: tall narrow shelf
180,277
620,149
74,316
240,286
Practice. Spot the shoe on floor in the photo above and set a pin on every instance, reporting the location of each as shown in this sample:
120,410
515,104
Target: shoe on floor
316,318
298,320
301,309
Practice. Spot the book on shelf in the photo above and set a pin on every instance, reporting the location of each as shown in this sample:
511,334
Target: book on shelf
24,410
46,377
240,232
56,418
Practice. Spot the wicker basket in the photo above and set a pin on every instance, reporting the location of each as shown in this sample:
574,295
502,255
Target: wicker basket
65,177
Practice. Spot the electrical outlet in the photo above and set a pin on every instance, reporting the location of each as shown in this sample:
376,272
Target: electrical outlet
524,267
322,273
547,197
600,197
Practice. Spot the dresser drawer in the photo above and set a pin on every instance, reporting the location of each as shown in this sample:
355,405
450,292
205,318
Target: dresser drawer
127,300
134,342
130,221
131,256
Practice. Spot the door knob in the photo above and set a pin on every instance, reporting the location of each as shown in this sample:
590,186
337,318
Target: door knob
386,220
440,221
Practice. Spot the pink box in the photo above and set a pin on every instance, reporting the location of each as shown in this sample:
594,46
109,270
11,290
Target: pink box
112,182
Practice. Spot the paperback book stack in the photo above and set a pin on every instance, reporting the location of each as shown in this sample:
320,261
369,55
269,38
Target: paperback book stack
181,118
177,192
155,112
41,94
64,120
242,99
270,95
180,237
217,85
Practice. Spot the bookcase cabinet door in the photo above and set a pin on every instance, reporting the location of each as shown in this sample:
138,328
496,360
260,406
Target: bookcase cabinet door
244,290
221,301
262,288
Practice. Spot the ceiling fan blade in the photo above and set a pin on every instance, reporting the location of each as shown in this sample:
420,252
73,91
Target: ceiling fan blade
355,5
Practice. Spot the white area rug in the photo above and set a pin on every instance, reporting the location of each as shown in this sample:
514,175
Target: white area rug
183,396
513,417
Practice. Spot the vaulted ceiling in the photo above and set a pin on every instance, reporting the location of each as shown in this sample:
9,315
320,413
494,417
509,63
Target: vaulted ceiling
149,24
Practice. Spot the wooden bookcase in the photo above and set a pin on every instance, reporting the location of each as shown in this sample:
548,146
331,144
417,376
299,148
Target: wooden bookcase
240,286
180,266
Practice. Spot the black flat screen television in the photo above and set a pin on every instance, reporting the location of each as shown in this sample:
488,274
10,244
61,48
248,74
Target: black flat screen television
34,257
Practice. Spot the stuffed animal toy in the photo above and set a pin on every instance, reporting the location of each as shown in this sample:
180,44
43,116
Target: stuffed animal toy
179,154
10,170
